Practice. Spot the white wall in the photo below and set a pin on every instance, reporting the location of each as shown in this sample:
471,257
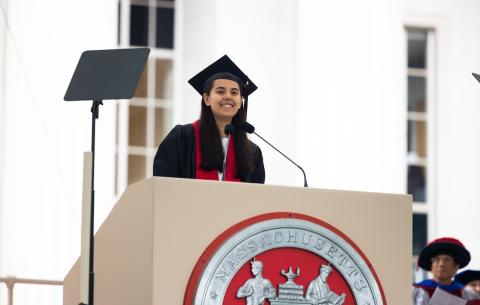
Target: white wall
44,137
2,102
351,94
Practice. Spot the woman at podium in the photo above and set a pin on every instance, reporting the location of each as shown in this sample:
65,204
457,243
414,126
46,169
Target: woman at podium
214,147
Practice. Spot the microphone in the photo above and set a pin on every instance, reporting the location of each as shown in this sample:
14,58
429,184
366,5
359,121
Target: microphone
229,129
248,128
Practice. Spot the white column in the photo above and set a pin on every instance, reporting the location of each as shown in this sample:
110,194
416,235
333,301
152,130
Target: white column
3,42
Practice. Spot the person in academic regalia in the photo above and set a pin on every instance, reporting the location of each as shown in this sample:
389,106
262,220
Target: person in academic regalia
214,147
443,257
471,280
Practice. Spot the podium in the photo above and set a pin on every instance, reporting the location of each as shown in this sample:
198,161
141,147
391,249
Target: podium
148,246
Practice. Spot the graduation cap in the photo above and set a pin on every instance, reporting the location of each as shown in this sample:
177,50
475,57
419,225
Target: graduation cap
467,276
223,68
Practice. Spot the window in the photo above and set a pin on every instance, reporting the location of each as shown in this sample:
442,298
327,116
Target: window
151,23
419,125
143,121
417,119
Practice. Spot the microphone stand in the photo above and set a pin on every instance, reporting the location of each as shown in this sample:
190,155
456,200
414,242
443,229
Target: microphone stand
305,184
229,128
224,165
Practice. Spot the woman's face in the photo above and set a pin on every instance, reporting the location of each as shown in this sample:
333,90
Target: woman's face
224,99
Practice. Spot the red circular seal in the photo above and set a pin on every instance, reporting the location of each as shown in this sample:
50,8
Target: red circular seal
283,258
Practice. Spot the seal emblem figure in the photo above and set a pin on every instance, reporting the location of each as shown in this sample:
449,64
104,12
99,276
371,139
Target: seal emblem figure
256,290
318,291
331,269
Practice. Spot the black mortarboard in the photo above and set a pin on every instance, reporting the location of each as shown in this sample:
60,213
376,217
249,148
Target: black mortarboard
467,276
223,68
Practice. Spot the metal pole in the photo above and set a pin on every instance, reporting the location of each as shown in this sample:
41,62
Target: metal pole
91,274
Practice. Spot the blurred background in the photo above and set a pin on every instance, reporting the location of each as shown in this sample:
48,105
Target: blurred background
372,95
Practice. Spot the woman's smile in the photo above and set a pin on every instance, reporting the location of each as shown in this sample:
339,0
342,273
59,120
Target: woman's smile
224,99
227,104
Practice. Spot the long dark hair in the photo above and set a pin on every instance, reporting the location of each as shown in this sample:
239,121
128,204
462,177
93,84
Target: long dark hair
211,144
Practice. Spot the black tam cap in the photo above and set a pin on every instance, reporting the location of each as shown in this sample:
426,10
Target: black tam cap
223,68
444,245
467,276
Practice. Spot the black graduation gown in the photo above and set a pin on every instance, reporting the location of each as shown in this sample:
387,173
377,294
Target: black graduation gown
176,156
